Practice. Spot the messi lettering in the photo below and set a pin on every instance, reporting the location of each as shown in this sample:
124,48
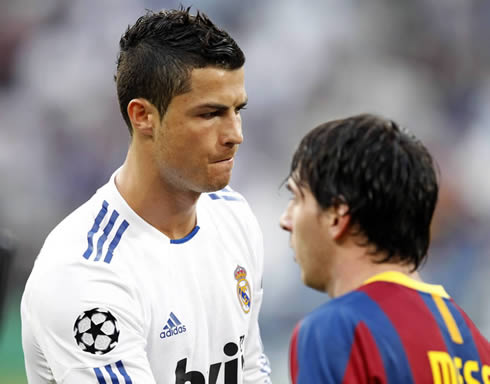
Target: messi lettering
447,370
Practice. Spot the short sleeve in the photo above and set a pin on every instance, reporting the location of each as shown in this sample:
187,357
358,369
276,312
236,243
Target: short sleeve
86,325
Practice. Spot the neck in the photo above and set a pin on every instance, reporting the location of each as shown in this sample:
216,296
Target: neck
349,276
171,211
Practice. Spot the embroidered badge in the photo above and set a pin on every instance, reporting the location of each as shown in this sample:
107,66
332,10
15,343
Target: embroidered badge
96,331
243,289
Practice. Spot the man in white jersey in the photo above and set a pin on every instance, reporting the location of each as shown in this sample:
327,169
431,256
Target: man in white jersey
157,278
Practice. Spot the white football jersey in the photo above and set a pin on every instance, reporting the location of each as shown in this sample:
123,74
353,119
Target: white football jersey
113,300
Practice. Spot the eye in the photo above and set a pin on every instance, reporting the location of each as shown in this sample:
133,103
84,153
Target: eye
290,195
239,109
210,115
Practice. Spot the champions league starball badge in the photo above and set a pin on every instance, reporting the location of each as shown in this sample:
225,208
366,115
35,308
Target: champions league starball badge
243,289
96,331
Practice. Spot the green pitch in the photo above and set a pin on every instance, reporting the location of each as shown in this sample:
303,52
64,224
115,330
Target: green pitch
11,357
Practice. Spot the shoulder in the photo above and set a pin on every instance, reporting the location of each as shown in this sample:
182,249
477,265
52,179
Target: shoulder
226,200
338,318
229,207
78,255
91,232
323,342
335,324
76,267
229,215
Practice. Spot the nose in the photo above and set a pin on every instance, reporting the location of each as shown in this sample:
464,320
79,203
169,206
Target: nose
232,132
285,220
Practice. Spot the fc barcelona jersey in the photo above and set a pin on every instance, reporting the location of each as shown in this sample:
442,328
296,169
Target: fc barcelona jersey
392,329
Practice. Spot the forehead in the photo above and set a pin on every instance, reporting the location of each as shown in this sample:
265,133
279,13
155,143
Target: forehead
218,85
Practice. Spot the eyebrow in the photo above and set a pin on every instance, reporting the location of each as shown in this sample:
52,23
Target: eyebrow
220,106
296,190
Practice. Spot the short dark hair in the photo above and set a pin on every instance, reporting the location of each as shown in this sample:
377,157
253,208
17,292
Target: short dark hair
158,53
384,174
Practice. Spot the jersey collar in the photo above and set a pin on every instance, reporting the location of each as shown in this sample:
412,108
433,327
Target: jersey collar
402,279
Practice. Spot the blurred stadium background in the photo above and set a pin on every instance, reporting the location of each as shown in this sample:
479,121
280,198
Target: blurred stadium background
424,63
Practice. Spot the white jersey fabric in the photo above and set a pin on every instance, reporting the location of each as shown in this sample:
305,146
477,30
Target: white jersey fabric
175,311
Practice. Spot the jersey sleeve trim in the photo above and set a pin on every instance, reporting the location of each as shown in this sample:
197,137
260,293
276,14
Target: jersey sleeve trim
111,370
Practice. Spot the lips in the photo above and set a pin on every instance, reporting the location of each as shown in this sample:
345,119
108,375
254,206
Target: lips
224,158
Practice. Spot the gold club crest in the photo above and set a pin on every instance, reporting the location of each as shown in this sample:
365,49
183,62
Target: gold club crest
243,289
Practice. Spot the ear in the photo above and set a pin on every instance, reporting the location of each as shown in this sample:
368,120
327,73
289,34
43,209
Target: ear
339,220
143,116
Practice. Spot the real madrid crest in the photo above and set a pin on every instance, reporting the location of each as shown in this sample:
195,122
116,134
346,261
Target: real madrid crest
243,289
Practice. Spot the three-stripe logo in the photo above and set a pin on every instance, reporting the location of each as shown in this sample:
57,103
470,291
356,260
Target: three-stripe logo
106,233
116,373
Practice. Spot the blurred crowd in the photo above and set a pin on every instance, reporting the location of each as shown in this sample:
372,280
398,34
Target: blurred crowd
424,63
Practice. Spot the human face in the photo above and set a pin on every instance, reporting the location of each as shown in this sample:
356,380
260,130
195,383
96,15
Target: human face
307,223
195,144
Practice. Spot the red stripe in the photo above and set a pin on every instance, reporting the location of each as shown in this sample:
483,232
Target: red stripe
482,345
365,363
293,355
414,322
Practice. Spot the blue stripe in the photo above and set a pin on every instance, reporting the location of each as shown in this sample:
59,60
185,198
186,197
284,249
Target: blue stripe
95,228
174,318
115,241
467,350
213,196
111,374
100,376
187,238
123,372
107,230
326,336
230,198
171,323
390,346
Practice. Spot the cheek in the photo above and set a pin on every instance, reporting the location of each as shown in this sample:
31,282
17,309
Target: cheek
301,226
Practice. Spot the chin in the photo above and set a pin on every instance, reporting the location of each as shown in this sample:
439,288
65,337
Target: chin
317,286
215,185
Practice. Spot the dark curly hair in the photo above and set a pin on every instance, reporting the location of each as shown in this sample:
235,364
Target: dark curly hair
382,173
158,53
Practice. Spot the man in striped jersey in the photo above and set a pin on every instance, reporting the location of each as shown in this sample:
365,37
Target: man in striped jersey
364,192
157,278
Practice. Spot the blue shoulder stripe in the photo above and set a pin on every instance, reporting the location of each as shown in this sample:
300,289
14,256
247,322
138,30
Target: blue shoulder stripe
122,228
105,234
225,194
95,228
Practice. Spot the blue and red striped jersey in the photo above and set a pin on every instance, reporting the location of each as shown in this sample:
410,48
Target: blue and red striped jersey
392,329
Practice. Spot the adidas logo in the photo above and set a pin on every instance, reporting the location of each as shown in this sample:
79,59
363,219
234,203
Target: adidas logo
173,327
